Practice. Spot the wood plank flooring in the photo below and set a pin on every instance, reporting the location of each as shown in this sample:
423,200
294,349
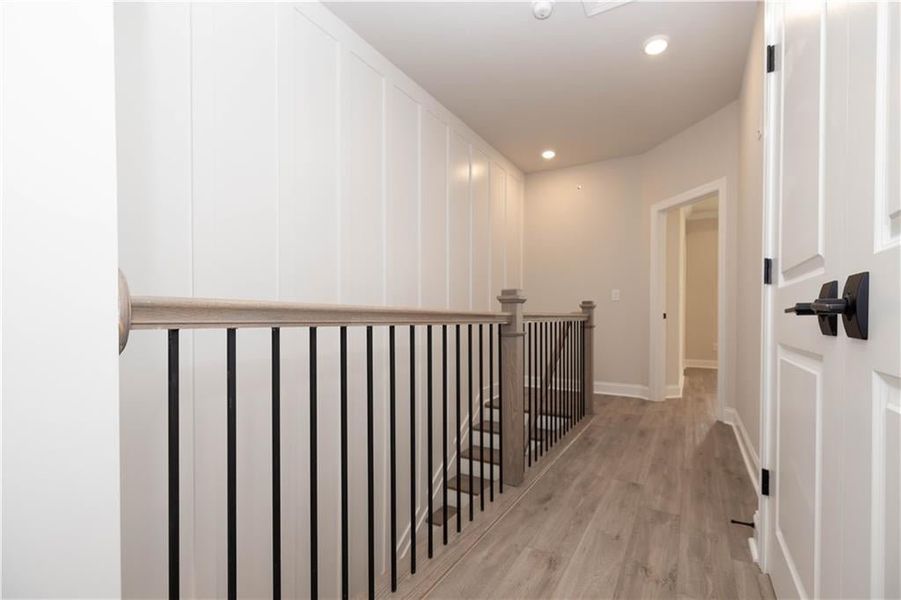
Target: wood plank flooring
637,507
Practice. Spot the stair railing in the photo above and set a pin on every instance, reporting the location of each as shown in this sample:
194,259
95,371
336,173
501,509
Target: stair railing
559,354
512,352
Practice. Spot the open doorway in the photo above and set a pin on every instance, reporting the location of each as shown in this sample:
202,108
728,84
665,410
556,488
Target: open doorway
691,299
687,294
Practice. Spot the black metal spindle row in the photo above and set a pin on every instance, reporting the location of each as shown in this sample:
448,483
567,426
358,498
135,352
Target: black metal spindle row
555,398
489,398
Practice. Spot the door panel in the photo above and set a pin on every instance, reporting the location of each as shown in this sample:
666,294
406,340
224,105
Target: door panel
798,501
833,417
807,383
802,249
886,487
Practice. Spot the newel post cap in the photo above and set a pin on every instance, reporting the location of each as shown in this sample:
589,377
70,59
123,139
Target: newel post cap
511,296
588,307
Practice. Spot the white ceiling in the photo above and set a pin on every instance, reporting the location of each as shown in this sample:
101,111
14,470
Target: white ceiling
582,86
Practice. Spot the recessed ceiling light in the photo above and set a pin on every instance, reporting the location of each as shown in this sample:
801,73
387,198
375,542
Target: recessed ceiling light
656,45
542,9
548,154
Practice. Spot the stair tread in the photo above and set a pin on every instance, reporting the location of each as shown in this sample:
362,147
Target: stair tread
437,516
491,456
547,412
463,484
539,433
486,426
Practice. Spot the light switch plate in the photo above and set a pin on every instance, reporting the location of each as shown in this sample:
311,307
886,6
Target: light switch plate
614,295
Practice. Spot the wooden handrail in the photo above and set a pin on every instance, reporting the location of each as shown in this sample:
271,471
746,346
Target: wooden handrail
159,312
554,317
199,313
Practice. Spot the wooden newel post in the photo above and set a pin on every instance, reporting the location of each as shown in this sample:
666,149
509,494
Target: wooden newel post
512,385
588,310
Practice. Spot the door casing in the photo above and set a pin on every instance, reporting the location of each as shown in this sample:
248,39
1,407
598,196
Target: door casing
657,325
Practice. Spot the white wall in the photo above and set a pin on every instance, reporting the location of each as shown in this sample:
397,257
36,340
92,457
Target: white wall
750,249
580,242
701,240
58,292
267,152
586,242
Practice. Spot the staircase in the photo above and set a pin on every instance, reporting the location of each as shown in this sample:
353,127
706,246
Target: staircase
550,409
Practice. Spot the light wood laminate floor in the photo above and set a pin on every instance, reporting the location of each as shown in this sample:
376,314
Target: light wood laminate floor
637,507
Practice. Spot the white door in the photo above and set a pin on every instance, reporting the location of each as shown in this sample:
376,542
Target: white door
833,406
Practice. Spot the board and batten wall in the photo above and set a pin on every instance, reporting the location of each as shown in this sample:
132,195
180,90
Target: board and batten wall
267,152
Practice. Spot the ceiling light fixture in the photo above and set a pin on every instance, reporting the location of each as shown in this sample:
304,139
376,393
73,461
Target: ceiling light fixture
655,45
548,154
542,9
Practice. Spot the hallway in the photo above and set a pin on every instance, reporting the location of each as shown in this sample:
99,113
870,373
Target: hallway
638,506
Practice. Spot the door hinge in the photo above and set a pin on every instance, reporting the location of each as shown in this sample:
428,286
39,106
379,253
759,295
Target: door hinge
664,315
767,271
765,482
770,58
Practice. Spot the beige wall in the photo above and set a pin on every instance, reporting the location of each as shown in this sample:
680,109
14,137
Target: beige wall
750,254
587,242
700,289
580,243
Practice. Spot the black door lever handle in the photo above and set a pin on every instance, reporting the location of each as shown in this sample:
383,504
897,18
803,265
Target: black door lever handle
826,308
852,307
830,306
801,308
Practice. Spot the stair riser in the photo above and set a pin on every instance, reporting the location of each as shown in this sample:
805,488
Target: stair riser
497,438
476,468
546,421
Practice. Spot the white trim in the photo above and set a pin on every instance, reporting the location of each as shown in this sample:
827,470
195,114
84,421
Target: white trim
657,326
629,390
674,390
699,363
752,462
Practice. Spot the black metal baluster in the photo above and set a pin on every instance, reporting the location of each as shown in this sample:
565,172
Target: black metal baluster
392,455
345,564
564,383
469,417
370,465
556,381
457,433
444,432
481,426
586,390
572,374
539,393
491,412
547,384
500,404
430,475
231,469
529,380
314,472
413,449
174,591
276,466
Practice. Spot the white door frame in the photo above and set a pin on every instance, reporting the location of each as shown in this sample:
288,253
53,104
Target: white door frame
657,325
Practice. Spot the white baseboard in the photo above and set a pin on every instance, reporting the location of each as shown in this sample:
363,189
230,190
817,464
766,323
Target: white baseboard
697,363
630,390
752,462
674,390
